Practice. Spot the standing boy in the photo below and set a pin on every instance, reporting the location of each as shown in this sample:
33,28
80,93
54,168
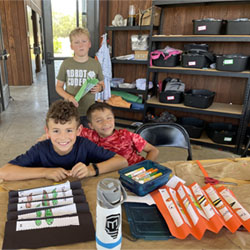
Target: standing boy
64,153
75,71
123,142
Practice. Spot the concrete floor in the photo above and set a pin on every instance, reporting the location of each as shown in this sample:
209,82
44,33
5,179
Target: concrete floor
23,122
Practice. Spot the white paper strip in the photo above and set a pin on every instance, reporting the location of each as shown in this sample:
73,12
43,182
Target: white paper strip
45,203
49,189
45,196
47,223
58,211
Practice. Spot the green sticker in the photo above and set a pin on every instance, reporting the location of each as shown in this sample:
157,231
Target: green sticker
228,61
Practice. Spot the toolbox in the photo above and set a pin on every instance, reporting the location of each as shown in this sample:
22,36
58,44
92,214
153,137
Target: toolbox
223,133
149,186
194,126
199,98
232,62
208,26
240,26
146,222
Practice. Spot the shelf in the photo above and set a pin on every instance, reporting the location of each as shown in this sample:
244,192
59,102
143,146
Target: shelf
129,110
129,90
127,28
186,2
194,71
219,109
130,61
204,140
201,38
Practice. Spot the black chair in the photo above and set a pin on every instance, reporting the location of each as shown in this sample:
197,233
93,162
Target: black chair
244,154
166,135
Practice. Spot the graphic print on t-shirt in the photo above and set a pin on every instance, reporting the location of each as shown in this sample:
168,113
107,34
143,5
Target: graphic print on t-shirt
77,77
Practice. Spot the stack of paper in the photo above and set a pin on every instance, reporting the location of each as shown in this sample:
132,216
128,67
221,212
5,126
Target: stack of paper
48,216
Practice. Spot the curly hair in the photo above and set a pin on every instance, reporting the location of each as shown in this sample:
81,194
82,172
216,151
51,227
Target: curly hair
97,106
62,111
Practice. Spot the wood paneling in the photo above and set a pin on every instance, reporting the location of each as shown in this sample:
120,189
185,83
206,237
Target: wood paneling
14,25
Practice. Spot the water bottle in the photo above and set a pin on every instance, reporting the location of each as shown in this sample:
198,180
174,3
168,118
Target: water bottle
110,196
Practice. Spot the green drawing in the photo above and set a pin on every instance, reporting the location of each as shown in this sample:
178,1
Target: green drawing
54,202
38,222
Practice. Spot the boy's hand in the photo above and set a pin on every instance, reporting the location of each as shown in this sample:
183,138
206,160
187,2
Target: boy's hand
56,174
73,100
80,170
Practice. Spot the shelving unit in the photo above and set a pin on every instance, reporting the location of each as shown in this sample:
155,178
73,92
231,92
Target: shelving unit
121,121
240,112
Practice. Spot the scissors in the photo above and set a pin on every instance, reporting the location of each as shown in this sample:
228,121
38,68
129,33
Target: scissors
211,180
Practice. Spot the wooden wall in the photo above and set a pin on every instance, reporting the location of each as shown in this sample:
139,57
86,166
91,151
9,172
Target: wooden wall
14,26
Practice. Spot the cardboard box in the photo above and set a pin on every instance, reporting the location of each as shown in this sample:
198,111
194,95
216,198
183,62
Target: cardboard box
141,55
145,16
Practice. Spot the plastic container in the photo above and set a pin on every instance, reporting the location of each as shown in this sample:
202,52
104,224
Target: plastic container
143,189
146,222
193,126
199,98
222,133
194,60
171,96
172,61
116,81
235,63
208,26
240,26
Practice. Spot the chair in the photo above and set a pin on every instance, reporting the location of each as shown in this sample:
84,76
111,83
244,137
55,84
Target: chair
166,135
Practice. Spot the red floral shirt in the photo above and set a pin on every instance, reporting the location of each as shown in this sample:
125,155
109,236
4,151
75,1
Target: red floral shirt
122,142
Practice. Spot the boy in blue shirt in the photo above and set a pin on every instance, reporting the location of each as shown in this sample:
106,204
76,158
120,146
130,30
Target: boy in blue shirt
64,154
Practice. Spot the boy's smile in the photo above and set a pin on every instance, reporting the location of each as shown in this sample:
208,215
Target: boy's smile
103,122
62,136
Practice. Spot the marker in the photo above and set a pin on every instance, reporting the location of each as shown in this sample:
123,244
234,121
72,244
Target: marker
150,178
145,174
135,172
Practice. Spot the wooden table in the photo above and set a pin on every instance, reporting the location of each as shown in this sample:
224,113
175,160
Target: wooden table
188,170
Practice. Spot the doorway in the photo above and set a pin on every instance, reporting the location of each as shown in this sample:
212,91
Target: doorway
60,17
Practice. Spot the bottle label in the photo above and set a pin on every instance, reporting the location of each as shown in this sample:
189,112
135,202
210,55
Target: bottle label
108,227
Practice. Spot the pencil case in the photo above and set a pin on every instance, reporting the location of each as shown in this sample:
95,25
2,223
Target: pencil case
149,186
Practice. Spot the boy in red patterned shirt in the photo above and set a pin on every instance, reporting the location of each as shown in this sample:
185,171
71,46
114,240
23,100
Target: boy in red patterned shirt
123,142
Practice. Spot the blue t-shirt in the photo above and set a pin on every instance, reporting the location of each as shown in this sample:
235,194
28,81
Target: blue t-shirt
43,155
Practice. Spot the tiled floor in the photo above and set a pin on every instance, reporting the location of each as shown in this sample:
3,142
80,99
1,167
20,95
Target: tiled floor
23,122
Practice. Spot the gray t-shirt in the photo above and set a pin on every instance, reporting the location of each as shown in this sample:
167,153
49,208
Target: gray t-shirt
74,74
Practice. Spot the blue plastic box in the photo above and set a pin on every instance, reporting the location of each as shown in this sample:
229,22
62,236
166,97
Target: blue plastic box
143,189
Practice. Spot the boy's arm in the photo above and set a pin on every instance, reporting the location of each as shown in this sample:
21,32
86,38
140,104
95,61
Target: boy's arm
115,163
10,172
60,91
152,152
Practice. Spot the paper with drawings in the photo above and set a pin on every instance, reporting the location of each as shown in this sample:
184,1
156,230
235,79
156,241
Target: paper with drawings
58,211
49,189
45,203
39,197
47,223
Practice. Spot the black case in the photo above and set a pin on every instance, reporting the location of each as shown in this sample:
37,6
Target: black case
171,96
239,26
172,61
194,126
207,26
231,62
199,98
223,133
194,61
